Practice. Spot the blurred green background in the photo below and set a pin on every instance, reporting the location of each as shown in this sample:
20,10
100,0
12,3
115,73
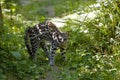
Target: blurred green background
93,48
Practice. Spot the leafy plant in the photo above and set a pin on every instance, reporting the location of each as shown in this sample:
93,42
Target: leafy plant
93,45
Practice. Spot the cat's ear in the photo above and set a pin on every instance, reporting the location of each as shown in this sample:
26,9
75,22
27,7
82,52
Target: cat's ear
65,34
49,23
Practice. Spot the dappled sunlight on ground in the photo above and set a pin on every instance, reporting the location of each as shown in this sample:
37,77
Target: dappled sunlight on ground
61,22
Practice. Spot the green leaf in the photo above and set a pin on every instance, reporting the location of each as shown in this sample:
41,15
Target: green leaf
23,62
17,55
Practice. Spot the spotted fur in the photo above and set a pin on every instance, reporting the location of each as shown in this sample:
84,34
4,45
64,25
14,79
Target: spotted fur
40,34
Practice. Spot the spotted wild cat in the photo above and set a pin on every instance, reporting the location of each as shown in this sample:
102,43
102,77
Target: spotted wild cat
40,35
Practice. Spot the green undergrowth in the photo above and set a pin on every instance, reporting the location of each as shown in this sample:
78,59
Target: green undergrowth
93,49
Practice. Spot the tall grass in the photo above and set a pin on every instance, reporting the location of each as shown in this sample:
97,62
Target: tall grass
94,55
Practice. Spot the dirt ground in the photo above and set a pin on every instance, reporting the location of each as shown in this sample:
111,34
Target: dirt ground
53,74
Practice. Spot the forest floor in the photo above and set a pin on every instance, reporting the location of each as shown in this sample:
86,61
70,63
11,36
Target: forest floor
61,21
54,74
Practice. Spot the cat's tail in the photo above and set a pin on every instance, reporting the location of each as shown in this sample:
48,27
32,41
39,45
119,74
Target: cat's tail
27,42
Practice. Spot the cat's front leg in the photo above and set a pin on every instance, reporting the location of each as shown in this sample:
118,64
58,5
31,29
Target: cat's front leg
52,54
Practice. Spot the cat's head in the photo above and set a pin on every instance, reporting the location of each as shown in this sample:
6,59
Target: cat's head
63,37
